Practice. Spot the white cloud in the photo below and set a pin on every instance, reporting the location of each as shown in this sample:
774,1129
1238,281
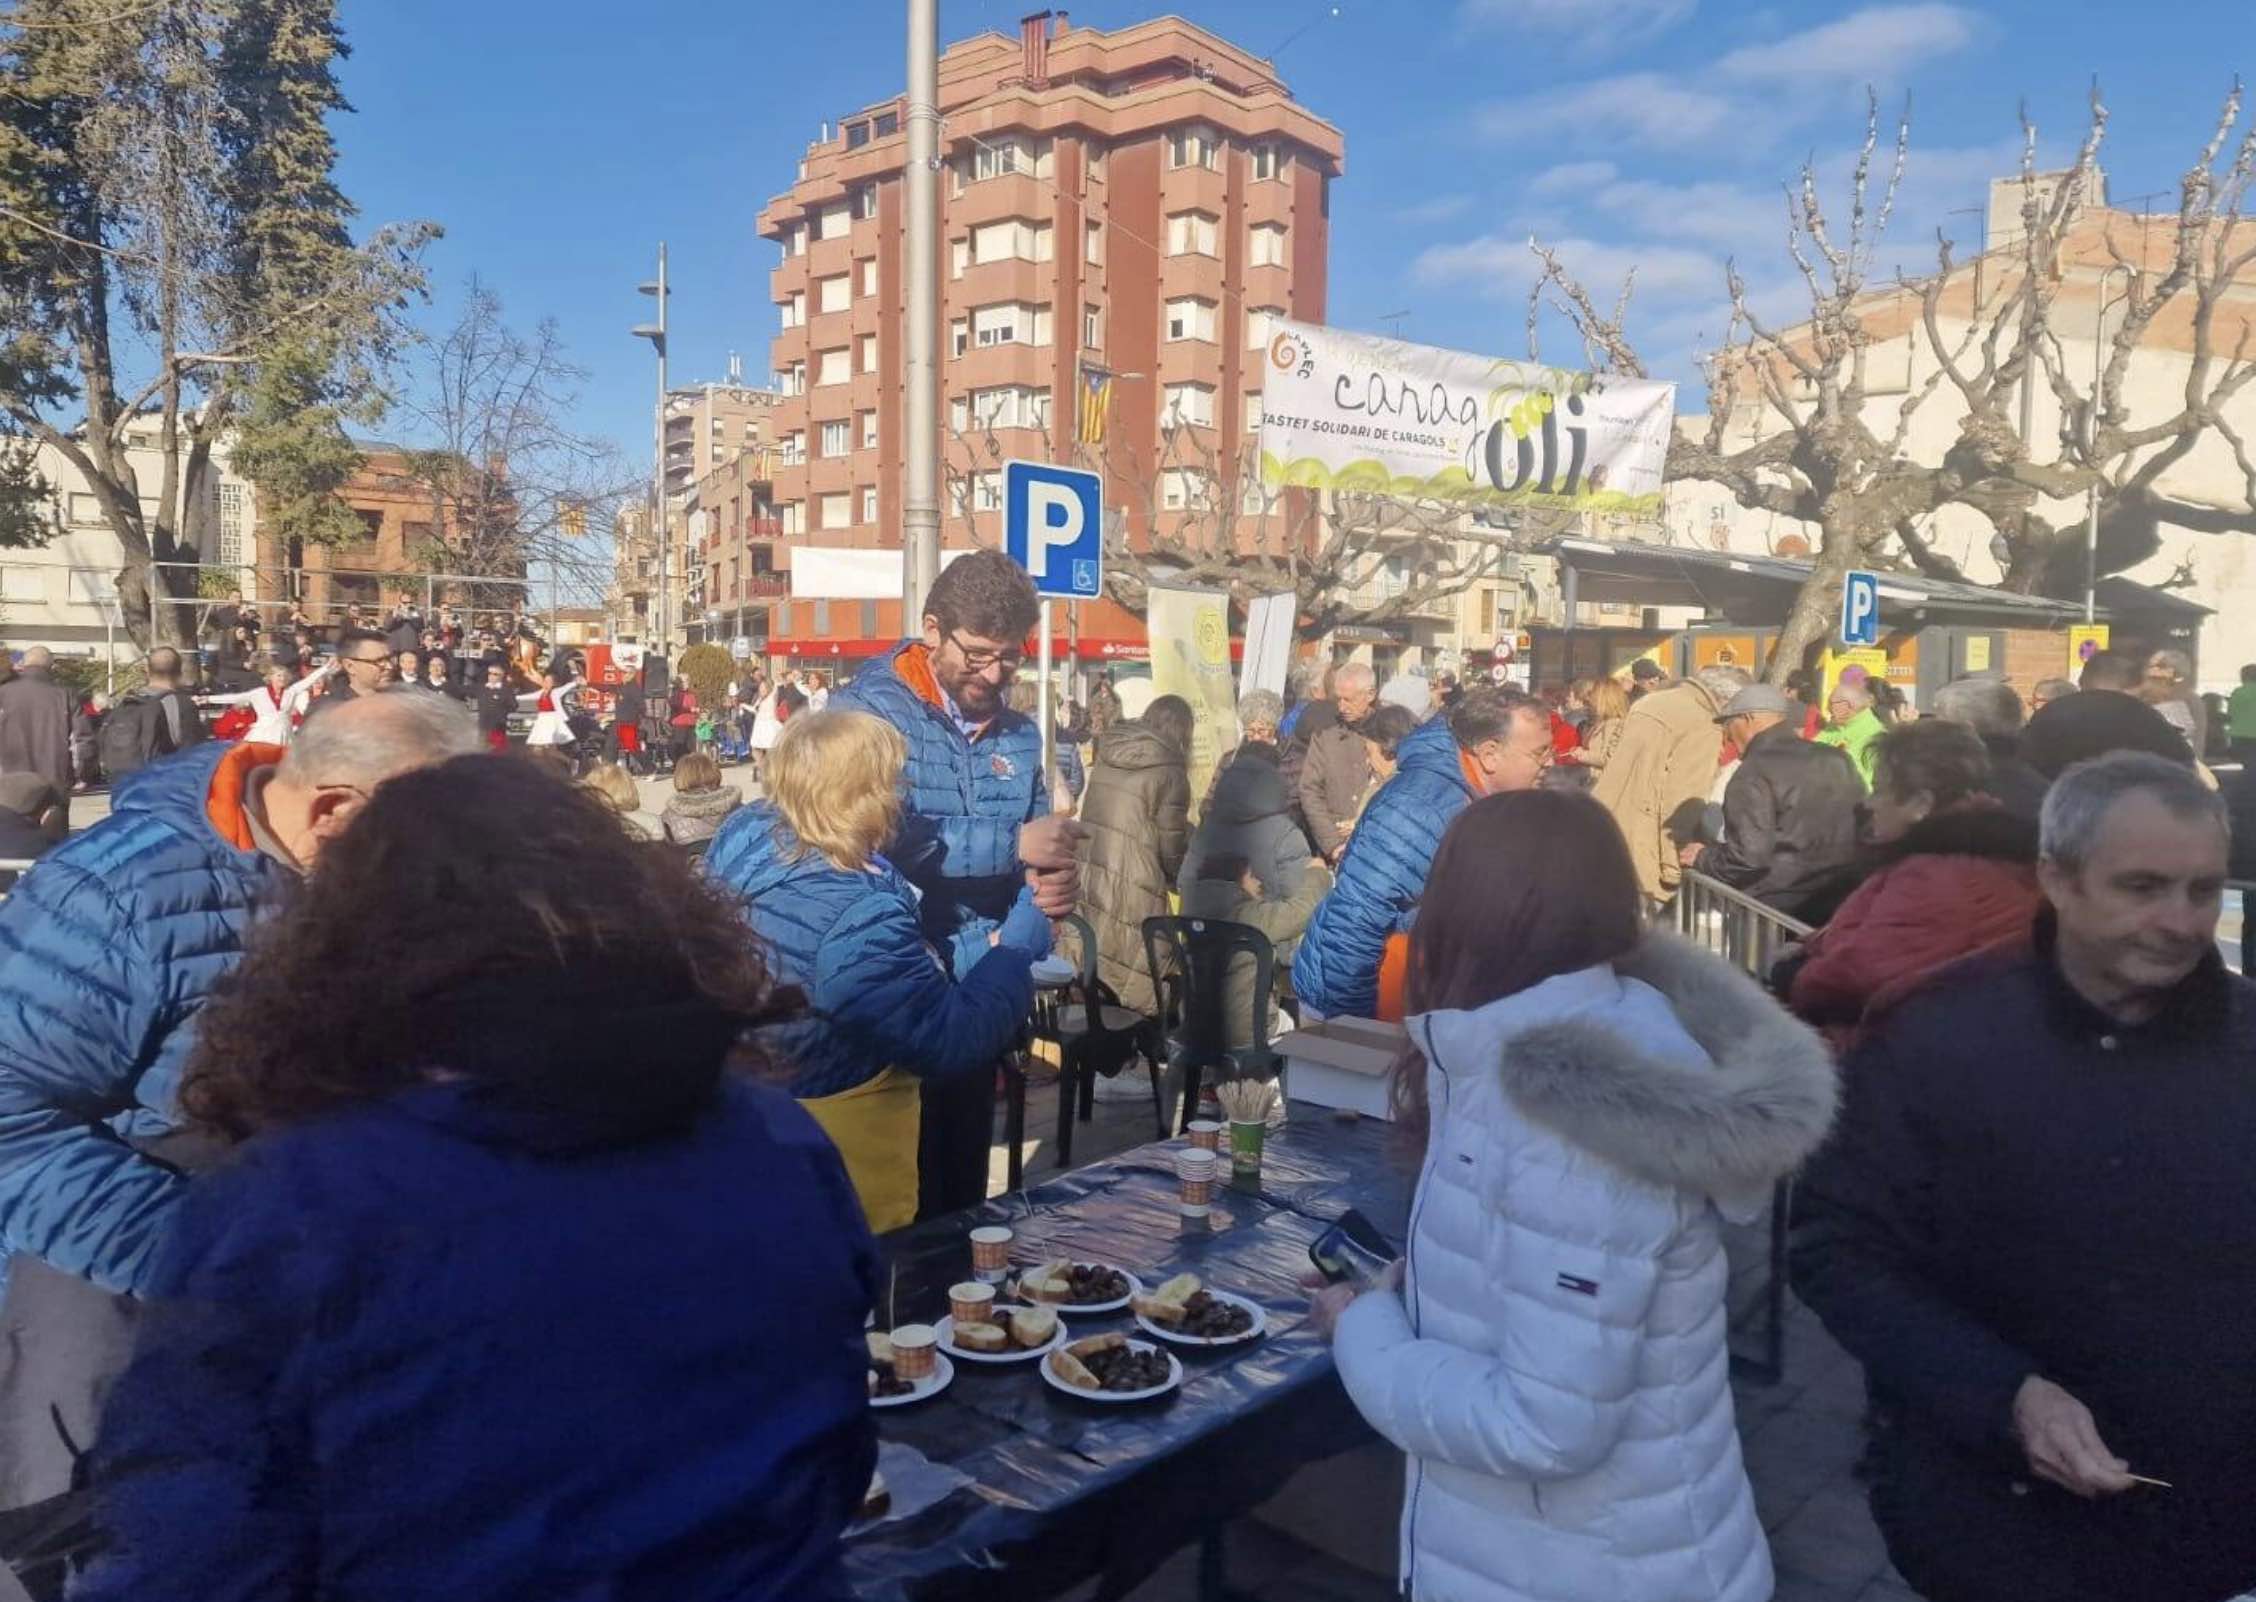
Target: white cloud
1876,44
1643,108
1715,213
1503,269
1572,177
1440,209
1595,23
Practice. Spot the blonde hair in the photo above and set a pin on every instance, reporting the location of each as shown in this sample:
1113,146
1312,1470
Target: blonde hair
696,771
1608,699
836,778
616,786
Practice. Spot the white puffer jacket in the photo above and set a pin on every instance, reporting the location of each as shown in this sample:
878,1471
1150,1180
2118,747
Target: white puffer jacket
1555,1366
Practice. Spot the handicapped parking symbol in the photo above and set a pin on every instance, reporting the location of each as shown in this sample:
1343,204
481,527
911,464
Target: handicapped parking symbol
1084,576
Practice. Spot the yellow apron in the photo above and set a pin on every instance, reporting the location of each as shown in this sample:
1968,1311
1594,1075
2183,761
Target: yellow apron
874,1127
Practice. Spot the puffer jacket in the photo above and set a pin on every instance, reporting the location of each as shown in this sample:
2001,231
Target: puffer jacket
107,950
1249,815
966,801
1789,820
1555,1363
694,815
1657,777
851,941
1137,809
1383,875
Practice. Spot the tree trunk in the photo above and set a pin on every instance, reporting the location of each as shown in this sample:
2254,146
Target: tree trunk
1816,604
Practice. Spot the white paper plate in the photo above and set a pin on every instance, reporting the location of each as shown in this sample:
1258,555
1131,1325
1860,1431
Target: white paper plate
1260,1324
1087,1309
932,1384
1010,1354
1174,1379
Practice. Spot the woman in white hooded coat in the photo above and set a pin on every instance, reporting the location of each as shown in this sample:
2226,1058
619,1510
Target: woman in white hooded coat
1551,1352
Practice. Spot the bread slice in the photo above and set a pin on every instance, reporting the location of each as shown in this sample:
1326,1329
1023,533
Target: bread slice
1047,1283
1178,1290
1159,1312
880,1347
981,1337
1097,1343
1036,1326
1072,1370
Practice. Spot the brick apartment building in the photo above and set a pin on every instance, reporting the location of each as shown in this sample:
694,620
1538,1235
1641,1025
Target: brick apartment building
1141,202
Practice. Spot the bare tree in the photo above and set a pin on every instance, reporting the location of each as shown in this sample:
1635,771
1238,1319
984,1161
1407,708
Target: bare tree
512,484
1794,427
1349,560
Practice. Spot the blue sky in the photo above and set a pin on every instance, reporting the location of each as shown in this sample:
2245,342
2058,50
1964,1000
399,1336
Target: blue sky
558,140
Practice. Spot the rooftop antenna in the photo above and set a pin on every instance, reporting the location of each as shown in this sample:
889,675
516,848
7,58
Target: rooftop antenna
736,370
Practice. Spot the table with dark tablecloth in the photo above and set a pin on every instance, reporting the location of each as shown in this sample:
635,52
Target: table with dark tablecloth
1057,1490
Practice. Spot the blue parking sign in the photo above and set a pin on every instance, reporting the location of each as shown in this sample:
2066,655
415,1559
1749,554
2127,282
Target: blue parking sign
1860,609
1053,526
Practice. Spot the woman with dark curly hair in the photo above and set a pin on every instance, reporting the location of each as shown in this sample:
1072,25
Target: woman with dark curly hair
516,1284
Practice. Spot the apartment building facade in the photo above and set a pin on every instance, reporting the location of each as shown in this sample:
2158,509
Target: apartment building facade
1141,203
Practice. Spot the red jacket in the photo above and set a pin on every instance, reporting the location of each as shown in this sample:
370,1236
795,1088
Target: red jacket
1960,882
1564,736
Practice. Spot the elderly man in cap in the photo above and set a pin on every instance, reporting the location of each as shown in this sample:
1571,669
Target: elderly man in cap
1790,811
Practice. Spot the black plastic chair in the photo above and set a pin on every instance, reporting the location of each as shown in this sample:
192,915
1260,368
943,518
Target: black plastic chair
1191,961
1098,1036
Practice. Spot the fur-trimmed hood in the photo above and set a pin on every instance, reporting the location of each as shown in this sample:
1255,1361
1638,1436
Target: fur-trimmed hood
1599,1060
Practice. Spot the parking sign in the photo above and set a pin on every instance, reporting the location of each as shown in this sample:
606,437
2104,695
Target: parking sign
1860,609
1053,526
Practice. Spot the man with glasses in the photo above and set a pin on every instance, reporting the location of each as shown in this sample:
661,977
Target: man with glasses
976,830
363,657
108,949
1491,741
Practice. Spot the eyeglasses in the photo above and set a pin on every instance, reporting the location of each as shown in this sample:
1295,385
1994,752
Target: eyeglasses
364,661
980,661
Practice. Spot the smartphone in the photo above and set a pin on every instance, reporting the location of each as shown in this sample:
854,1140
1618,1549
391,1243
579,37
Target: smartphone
1352,1251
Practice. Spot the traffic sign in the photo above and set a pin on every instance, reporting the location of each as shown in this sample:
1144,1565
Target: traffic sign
1053,526
1860,609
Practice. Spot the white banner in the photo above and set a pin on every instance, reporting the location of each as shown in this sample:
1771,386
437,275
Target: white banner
1268,642
1368,416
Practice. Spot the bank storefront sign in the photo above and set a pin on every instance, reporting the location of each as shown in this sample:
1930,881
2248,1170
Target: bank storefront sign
1361,415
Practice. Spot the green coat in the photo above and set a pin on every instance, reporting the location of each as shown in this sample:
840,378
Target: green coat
1858,736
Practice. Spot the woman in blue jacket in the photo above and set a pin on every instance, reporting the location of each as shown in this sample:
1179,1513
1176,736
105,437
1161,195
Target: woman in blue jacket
842,925
510,1289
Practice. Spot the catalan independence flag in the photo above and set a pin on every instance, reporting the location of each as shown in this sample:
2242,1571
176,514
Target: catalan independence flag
1096,401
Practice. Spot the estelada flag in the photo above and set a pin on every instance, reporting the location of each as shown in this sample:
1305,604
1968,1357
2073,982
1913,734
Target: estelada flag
1096,401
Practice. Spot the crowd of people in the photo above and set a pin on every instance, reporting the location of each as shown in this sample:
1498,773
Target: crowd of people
412,1291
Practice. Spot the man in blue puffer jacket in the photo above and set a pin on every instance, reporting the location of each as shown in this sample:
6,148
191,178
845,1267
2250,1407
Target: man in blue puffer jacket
976,826
108,948
1489,742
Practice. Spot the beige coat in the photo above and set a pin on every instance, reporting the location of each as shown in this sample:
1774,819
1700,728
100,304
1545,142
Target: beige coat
1137,811
1660,771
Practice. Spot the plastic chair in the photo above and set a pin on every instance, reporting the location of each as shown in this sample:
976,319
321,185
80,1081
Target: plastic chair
1192,960
1098,1036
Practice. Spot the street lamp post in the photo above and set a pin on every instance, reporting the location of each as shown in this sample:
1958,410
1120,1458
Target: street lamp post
655,332
920,509
2091,440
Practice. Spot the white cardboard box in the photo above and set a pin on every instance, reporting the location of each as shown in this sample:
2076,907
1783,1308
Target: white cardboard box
1343,1063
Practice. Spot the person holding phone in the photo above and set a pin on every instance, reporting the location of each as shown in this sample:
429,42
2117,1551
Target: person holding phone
1593,1100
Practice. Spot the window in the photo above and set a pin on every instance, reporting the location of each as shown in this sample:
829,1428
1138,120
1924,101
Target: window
869,503
795,449
85,508
29,584
866,275
1182,491
795,242
1092,242
1253,500
866,347
959,336
832,222
1011,406
1253,410
791,518
1270,159
792,313
1190,233
835,438
1261,326
837,511
1268,245
1093,153
888,124
857,135
959,257
869,431
1189,403
833,366
1190,319
864,202
986,492
1011,323
230,524
1092,327
795,380
994,159
834,294
1192,146
1014,238
959,414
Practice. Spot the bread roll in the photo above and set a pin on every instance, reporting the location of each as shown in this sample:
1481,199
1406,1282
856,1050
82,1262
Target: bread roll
1159,1312
1072,1370
1097,1343
880,1348
1036,1326
980,1337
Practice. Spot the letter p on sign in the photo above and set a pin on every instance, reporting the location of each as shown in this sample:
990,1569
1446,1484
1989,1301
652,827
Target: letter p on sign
1053,526
1860,609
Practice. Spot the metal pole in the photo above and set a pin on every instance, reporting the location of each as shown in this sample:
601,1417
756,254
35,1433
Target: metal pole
920,513
1042,659
658,479
2091,445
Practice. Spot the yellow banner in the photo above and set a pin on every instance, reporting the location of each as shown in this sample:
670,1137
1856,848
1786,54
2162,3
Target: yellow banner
1190,657
2085,640
1871,658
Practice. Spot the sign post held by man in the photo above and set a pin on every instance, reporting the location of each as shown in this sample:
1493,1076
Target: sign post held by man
1860,609
1053,526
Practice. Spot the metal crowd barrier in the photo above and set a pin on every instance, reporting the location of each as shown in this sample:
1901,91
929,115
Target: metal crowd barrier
1750,936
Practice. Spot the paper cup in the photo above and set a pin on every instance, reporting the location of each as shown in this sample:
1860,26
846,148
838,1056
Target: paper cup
1196,1167
990,1254
1246,1140
972,1302
916,1351
1206,1134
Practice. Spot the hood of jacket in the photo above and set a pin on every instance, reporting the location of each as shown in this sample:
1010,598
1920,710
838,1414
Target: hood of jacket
1727,1128
1132,745
1433,749
705,803
755,852
1249,789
